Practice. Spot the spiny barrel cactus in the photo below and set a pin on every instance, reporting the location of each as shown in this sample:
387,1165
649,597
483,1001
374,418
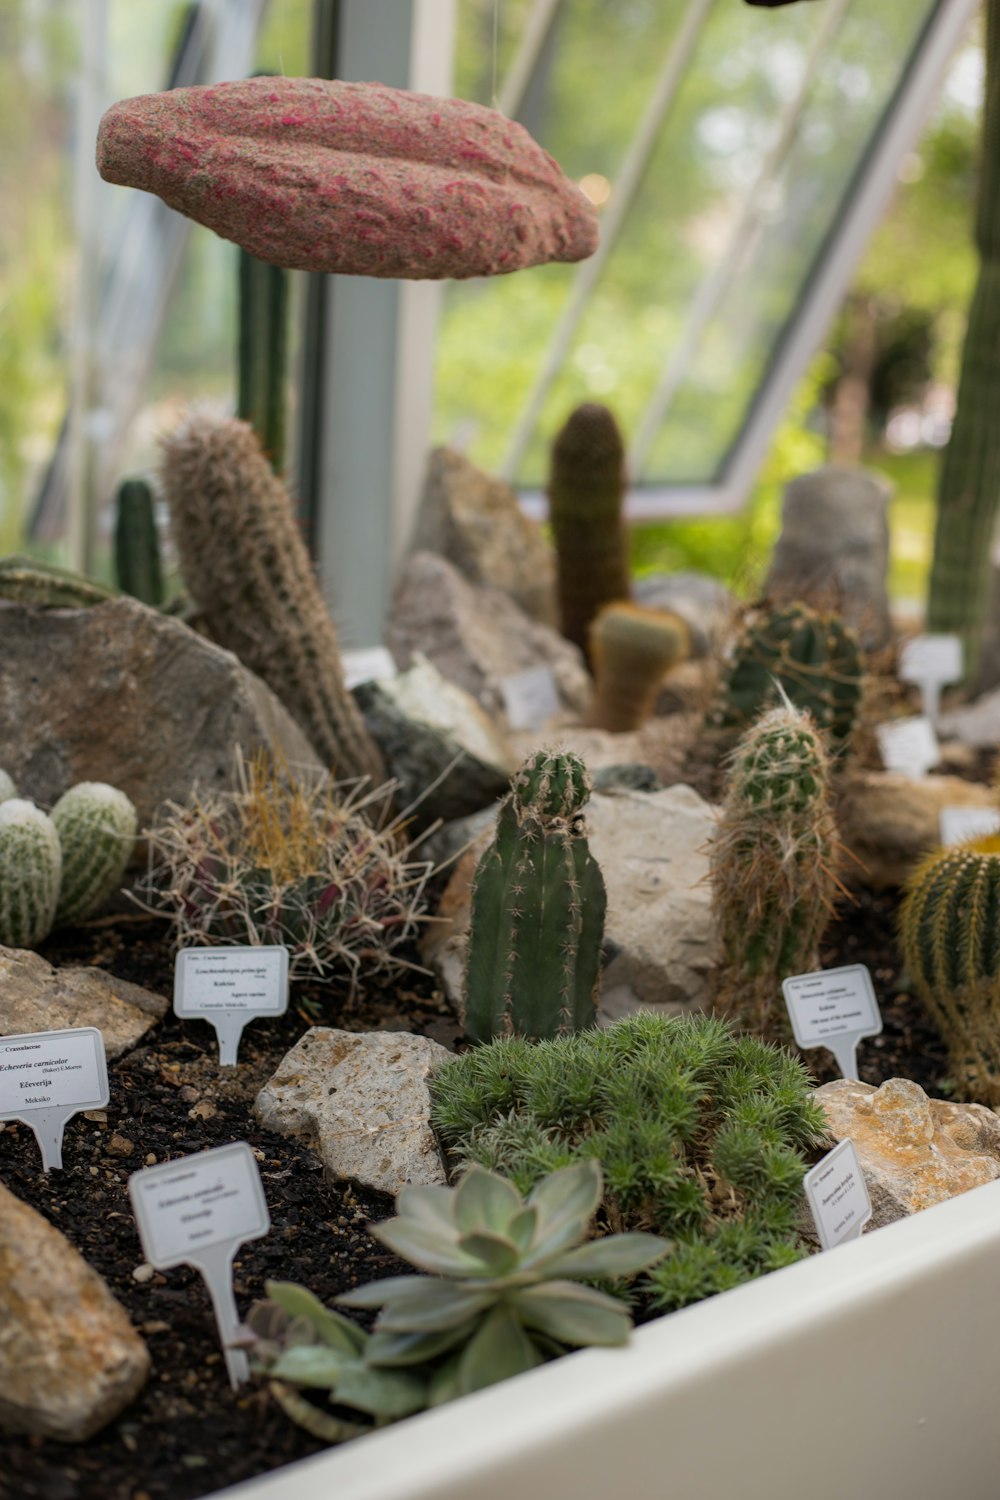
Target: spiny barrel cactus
97,825
538,903
949,925
30,867
586,495
137,544
773,864
815,659
632,649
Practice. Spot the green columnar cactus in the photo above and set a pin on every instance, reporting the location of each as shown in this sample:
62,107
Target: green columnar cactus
773,864
586,494
632,650
247,568
263,353
969,483
813,658
538,904
949,924
25,580
30,868
97,825
137,543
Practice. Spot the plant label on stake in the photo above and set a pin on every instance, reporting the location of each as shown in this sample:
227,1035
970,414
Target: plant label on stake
530,697
961,823
838,1196
833,1008
932,662
46,1077
909,745
198,1211
227,987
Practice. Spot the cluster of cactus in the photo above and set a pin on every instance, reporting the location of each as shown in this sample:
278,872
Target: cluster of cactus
504,1296
700,1133
631,650
62,867
138,568
586,494
773,863
295,860
246,567
949,924
811,658
538,903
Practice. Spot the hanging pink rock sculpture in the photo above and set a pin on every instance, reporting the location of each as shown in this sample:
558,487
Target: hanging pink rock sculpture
355,178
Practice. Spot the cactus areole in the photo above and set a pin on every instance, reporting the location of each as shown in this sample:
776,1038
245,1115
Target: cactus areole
354,178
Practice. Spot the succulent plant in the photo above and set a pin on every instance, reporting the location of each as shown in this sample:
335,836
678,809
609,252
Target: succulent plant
773,861
30,868
632,649
138,568
538,903
97,825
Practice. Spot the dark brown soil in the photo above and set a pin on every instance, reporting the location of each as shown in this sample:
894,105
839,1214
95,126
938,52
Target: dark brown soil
187,1434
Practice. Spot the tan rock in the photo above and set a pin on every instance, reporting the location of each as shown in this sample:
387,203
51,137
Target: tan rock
914,1151
36,997
888,820
70,1359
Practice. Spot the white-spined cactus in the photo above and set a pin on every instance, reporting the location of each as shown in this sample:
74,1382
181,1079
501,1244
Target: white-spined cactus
7,787
30,870
97,825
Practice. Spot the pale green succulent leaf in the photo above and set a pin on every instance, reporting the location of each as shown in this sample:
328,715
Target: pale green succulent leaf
439,1306
432,1206
497,1255
399,1349
424,1248
572,1314
565,1202
381,1393
299,1303
486,1202
500,1348
375,1293
522,1228
312,1364
444,1384
616,1255
323,1425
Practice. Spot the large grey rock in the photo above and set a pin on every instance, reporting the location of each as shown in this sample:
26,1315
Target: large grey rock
913,1151
705,605
976,724
475,635
36,997
476,522
362,1098
833,551
120,693
888,821
659,939
70,1360
446,753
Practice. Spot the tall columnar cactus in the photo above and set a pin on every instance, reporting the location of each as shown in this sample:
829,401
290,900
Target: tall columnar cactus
949,924
538,903
586,494
246,567
138,569
632,650
97,825
263,354
773,864
816,660
30,868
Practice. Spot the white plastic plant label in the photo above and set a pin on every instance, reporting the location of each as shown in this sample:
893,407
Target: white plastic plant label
530,698
834,1008
198,1211
909,745
838,1196
373,664
961,823
46,1077
228,987
932,662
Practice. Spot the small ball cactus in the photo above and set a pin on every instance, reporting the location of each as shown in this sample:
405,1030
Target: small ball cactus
30,870
97,825
632,649
7,787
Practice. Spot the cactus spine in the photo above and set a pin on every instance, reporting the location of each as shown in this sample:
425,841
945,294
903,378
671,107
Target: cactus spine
137,543
538,904
586,494
949,924
773,865
246,567
263,353
30,868
632,650
97,825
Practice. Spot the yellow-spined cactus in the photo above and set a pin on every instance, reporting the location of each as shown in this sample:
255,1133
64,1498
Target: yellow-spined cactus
632,649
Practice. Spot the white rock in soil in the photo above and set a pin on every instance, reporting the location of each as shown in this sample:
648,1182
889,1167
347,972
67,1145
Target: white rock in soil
36,997
888,821
362,1099
70,1359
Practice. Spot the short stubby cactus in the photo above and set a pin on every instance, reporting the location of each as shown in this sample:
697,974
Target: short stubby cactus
814,659
30,869
773,862
97,826
632,649
138,568
949,924
538,903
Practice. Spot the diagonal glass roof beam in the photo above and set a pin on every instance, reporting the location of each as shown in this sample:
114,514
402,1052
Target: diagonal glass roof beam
537,29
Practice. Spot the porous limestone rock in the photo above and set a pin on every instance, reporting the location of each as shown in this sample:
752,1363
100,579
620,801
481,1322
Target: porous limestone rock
70,1359
888,821
361,1098
36,997
476,522
913,1151
123,694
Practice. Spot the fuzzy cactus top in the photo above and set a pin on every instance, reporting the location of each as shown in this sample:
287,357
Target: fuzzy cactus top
355,178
